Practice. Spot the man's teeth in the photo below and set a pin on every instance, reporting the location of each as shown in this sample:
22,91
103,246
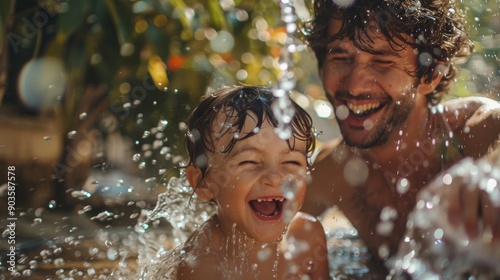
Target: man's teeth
270,199
360,109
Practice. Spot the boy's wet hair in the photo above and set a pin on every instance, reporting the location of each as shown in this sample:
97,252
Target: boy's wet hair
436,26
234,105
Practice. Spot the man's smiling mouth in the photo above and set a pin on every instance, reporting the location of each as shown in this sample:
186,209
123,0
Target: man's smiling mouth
267,207
365,109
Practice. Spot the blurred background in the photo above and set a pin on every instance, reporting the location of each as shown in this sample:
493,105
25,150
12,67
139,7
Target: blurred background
94,93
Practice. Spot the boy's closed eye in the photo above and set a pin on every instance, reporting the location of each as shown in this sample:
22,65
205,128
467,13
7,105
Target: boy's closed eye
247,162
294,162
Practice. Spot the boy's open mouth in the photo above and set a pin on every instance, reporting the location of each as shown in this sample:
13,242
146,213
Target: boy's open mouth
267,207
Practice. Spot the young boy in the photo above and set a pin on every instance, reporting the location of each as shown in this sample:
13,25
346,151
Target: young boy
239,162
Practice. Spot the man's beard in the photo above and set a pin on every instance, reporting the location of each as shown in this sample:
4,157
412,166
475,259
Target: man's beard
380,132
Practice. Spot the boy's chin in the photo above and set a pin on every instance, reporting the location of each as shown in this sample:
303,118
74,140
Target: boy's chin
269,236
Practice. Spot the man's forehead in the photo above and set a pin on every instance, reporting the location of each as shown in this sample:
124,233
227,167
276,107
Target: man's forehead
371,28
370,35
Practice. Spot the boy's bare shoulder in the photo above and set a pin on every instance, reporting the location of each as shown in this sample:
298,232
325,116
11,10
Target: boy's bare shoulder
306,227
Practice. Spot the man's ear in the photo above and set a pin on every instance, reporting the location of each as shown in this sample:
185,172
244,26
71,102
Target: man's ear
427,85
195,179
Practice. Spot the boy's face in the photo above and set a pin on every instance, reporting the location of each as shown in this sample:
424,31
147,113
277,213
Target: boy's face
246,182
371,92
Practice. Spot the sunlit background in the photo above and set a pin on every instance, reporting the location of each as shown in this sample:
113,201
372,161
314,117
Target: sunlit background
94,95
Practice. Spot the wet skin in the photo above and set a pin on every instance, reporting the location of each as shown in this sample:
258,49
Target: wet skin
238,181
388,131
251,172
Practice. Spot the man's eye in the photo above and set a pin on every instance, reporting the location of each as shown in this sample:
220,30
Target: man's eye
341,59
247,162
384,62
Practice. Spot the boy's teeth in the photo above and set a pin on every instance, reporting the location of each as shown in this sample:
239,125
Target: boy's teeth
270,199
359,109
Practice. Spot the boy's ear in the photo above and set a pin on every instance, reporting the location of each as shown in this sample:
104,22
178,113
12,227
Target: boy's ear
195,179
427,85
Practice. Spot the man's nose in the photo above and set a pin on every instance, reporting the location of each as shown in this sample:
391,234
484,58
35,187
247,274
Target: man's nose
360,79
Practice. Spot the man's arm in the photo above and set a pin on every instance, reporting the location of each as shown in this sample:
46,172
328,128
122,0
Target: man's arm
471,199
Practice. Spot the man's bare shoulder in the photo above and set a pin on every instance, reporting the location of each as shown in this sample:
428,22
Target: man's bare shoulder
475,122
460,112
326,175
327,149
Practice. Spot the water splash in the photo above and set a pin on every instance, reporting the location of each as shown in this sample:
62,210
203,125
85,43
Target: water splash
432,248
183,212
282,107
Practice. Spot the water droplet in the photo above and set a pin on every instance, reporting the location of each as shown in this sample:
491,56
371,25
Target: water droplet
403,186
52,204
383,251
388,214
127,49
438,233
425,59
264,254
82,194
344,3
342,112
72,134
447,179
112,254
384,228
368,124
162,124
151,179
136,157
289,187
142,165
356,172
83,116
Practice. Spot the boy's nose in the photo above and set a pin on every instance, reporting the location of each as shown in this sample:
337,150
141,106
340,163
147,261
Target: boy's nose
272,177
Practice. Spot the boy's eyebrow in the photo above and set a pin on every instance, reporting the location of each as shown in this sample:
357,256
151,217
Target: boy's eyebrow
235,152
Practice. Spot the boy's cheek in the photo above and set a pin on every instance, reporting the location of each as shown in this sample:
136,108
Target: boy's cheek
301,193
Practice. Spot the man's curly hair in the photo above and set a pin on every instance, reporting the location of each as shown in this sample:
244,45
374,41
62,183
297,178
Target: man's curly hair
436,26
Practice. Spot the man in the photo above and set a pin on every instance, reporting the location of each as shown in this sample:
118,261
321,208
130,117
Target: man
385,66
